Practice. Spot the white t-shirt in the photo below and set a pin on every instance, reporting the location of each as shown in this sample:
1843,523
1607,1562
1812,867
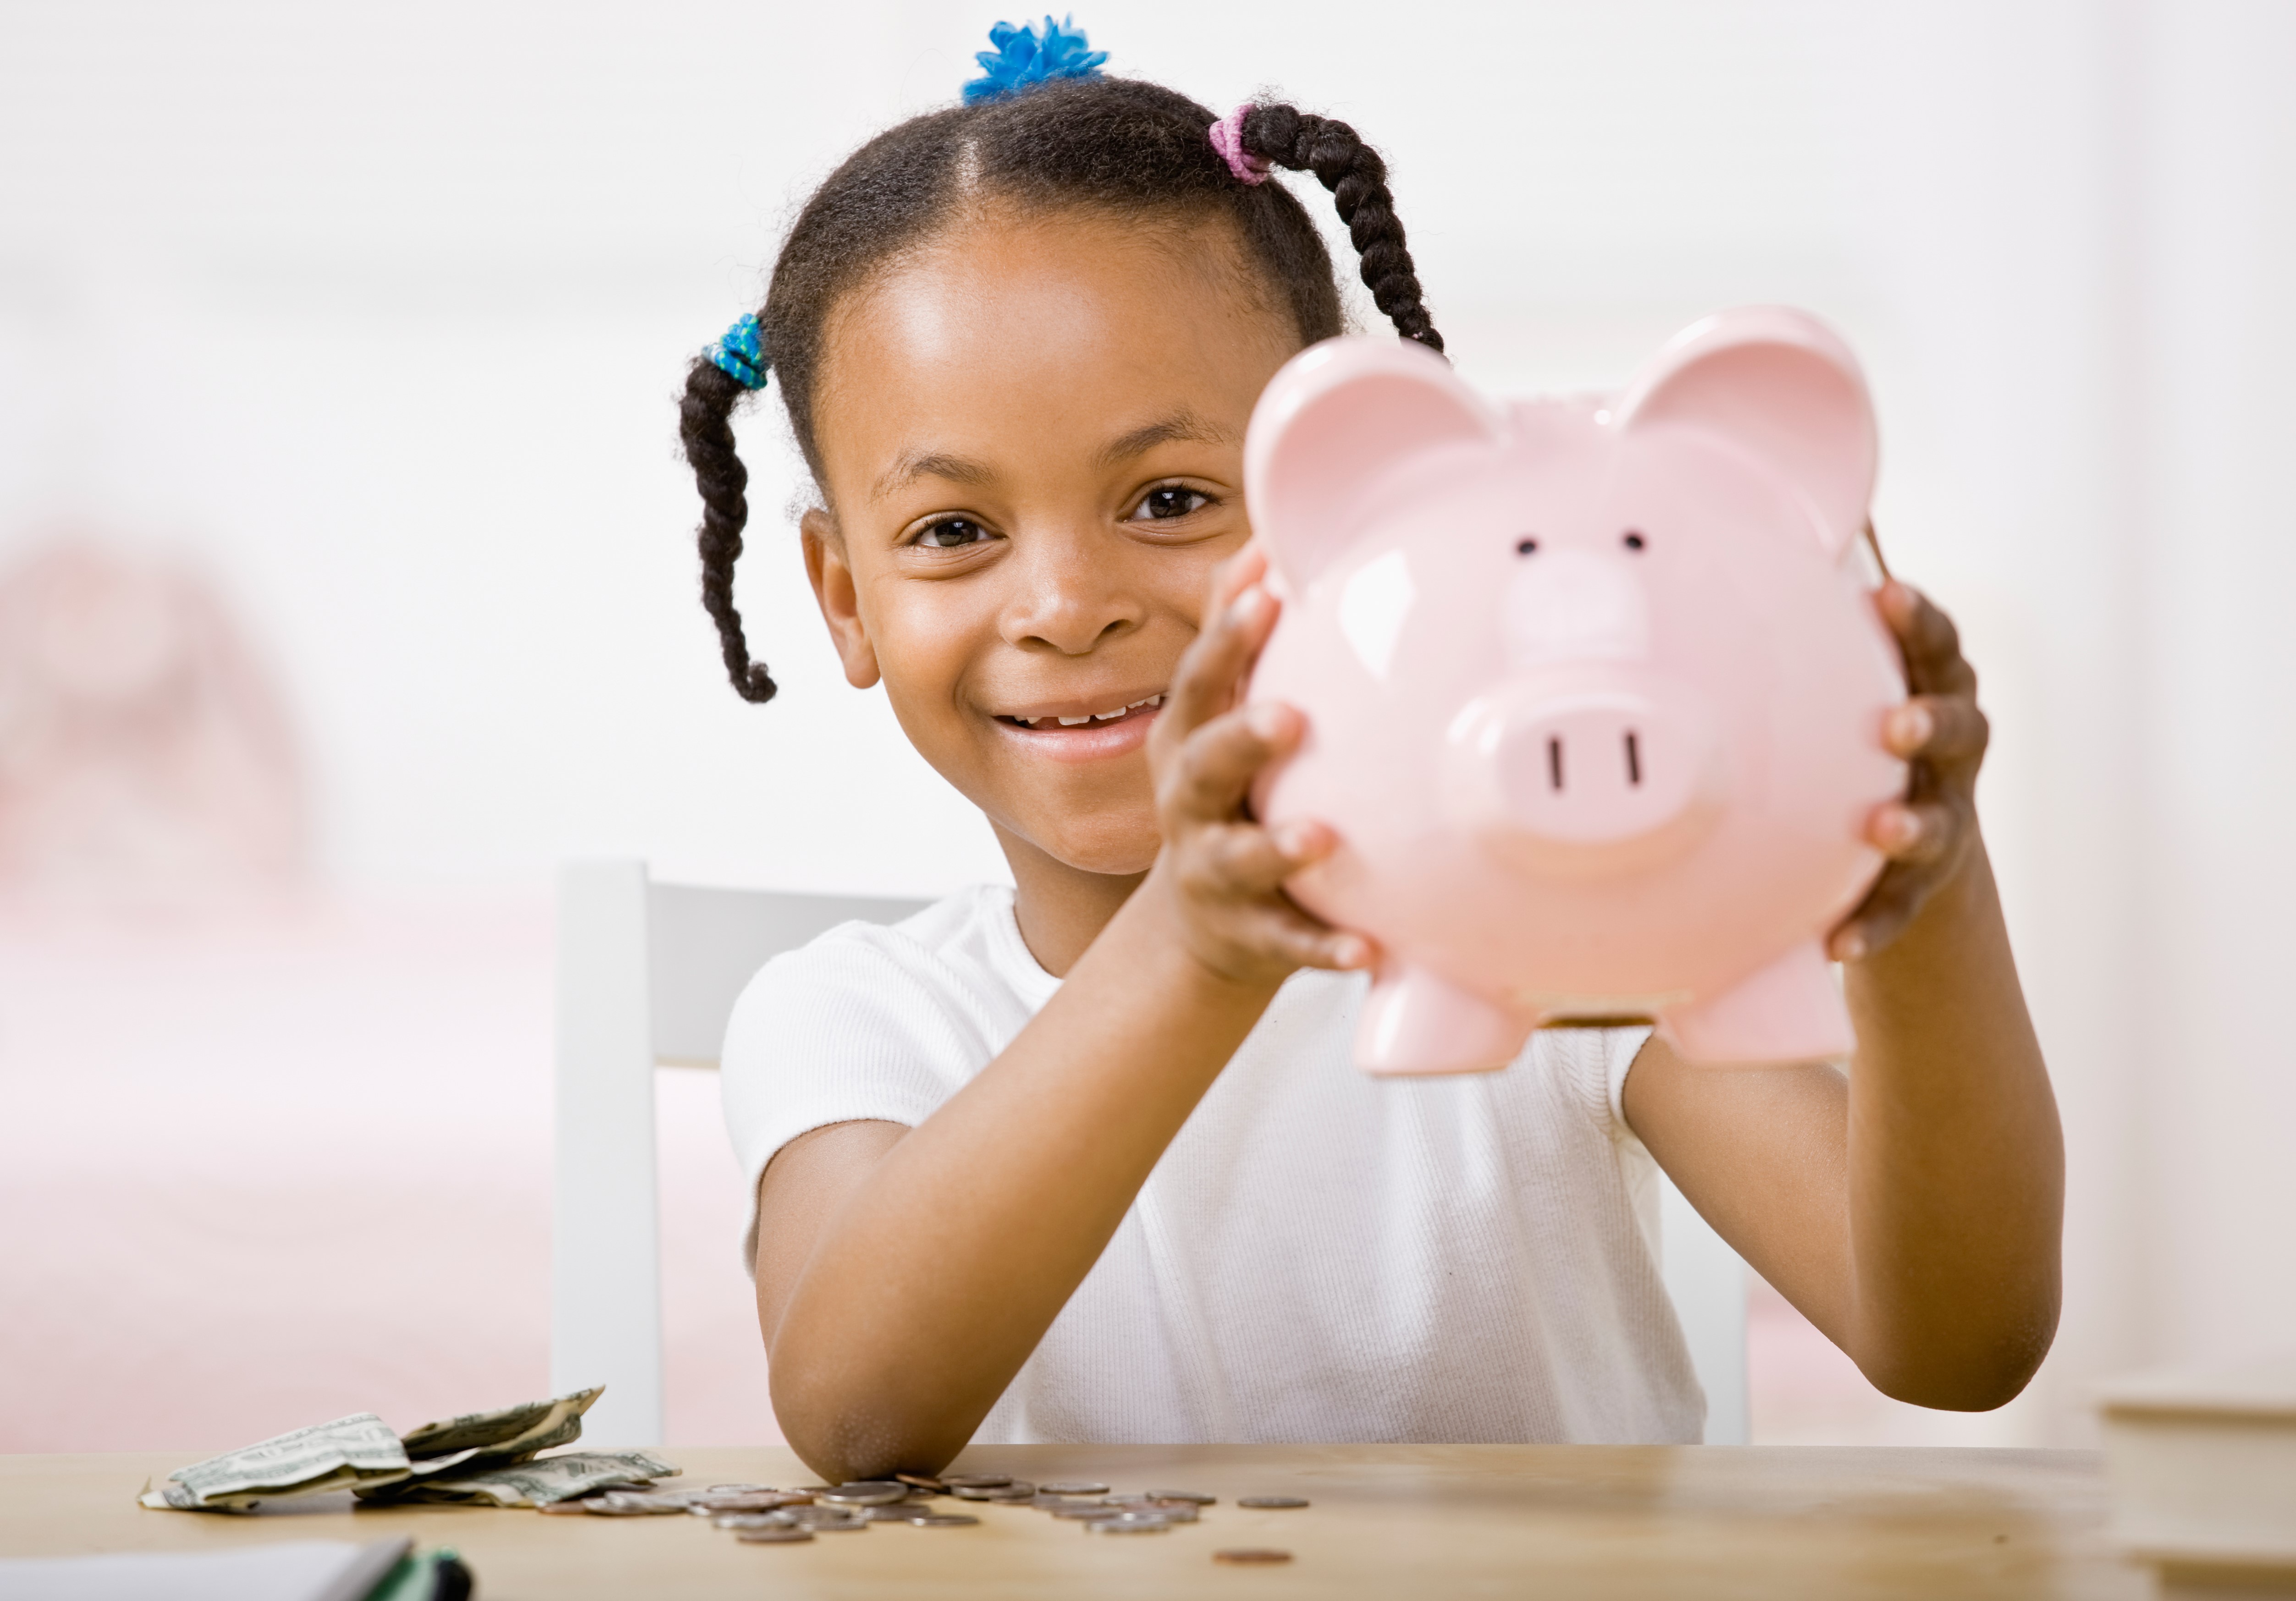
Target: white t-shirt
1319,1256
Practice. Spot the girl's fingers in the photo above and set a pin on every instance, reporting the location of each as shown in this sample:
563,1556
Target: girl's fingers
1299,941
1927,635
1896,896
1233,576
1249,860
1946,730
1211,666
1215,767
1916,833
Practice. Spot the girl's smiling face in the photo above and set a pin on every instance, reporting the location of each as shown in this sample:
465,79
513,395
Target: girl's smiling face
1031,432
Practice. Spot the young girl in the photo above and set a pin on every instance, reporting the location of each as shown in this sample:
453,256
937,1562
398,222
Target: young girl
1086,1158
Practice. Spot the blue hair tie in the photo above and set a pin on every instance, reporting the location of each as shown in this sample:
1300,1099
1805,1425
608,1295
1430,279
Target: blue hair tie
1024,58
741,355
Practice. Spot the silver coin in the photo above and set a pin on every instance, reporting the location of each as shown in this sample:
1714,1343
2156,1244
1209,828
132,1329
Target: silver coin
864,1492
1073,1487
830,1517
630,1504
1195,1496
1270,1503
752,1500
773,1537
1131,1522
976,1481
1088,1511
1011,1490
753,1520
924,1481
940,1520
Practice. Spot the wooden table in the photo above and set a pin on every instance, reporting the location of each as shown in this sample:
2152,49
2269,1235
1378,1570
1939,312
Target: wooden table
1386,1521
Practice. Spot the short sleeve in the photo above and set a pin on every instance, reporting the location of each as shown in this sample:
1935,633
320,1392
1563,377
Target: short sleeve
1622,1047
853,1027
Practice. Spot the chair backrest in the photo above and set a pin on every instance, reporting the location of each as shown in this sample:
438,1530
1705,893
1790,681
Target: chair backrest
647,974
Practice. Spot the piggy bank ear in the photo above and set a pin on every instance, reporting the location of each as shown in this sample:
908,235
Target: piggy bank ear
1780,386
1340,416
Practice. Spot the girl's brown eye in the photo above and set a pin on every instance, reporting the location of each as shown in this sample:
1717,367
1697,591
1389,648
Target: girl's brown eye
953,533
1172,500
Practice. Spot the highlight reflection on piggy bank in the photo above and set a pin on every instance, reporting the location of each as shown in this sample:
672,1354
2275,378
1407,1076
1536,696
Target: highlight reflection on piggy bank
1594,688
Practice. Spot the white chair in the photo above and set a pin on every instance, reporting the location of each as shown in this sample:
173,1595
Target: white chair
647,974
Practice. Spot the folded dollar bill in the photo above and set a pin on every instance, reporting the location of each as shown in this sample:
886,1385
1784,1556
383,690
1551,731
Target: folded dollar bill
535,1483
359,1453
342,1455
478,1440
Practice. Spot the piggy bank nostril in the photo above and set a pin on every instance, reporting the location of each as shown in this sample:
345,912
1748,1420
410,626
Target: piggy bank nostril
1634,761
1523,547
1634,541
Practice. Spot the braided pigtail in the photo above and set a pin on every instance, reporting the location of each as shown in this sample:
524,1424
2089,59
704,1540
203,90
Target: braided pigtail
705,424
1285,137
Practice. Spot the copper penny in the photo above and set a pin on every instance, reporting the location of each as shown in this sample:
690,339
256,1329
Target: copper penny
1252,1556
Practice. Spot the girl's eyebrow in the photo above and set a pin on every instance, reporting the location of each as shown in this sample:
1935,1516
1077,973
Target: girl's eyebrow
1182,425
928,463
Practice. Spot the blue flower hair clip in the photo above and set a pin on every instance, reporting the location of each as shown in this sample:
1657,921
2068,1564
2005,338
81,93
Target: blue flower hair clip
741,355
1024,58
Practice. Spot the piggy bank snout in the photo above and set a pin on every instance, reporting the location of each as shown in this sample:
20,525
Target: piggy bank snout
1578,780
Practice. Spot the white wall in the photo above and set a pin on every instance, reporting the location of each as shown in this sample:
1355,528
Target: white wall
380,311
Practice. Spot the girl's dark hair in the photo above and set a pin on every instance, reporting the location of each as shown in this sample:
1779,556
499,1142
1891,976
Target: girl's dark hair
1105,144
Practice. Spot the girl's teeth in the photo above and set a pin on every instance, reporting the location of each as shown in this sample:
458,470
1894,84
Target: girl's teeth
1097,717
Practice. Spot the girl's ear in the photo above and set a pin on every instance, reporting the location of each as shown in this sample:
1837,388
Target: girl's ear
1777,385
1338,417
833,590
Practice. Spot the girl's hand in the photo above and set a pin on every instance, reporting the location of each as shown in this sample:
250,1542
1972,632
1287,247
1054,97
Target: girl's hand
1220,872
1940,730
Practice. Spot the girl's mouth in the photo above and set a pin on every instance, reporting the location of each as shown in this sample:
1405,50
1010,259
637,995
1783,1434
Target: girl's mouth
1141,709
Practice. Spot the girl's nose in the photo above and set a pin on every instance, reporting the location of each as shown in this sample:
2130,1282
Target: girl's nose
1069,596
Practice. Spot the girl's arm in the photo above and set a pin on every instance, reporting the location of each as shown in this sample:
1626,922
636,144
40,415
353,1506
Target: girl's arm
1913,1210
905,1275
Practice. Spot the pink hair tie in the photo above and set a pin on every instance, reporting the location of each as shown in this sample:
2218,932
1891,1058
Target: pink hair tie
1227,138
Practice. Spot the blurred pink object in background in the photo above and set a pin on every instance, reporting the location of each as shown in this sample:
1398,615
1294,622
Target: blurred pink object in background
144,757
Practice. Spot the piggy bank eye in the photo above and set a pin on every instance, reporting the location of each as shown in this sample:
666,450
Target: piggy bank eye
1523,547
1634,541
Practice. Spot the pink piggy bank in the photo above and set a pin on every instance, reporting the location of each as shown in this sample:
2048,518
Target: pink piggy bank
1594,688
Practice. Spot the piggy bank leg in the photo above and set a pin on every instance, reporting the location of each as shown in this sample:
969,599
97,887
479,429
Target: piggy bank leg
1415,1022
1790,1011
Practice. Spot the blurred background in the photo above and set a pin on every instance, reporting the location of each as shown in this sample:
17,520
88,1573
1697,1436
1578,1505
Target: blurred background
346,585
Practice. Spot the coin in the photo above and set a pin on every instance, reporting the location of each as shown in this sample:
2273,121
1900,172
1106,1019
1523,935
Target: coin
940,1520
1012,1489
1252,1556
561,1508
895,1512
864,1492
924,1481
1073,1487
1130,1523
773,1537
753,1520
1087,1511
1196,1496
830,1517
620,1503
1269,1503
740,1489
975,1481
753,1500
